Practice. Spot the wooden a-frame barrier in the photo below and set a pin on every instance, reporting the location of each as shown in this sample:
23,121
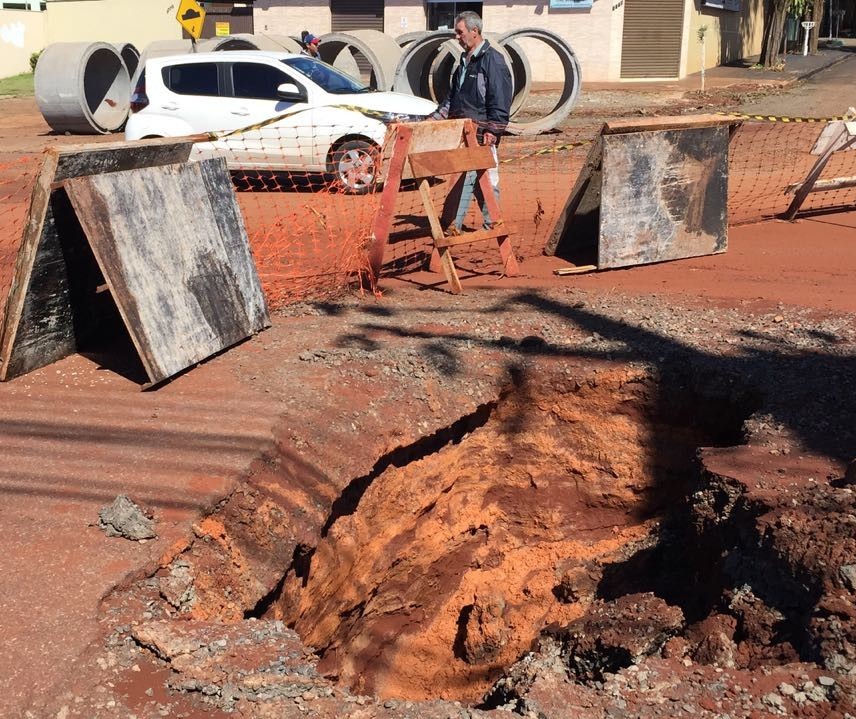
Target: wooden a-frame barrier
433,149
837,136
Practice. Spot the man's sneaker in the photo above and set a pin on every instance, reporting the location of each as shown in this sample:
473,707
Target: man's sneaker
452,231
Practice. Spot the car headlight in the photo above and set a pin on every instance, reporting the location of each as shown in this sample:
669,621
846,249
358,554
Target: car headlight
390,117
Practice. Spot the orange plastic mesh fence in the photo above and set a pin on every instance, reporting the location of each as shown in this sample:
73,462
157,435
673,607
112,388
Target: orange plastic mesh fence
17,174
309,234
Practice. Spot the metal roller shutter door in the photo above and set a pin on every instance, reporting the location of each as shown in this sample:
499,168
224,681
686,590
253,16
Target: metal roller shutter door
652,38
356,15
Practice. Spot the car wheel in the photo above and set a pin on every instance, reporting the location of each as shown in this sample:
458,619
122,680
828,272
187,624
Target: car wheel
356,164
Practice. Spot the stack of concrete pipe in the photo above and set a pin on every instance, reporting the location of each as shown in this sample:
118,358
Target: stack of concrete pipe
86,87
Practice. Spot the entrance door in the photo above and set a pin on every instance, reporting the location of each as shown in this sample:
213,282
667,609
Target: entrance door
652,38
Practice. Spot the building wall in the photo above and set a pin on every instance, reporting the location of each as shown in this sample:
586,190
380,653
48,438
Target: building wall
290,17
22,32
589,32
112,21
729,36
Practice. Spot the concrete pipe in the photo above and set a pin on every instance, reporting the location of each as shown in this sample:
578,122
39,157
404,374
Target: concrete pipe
227,43
380,51
130,55
405,39
161,48
570,89
83,87
413,73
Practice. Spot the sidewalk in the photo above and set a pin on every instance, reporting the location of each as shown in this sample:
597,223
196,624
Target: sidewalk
797,67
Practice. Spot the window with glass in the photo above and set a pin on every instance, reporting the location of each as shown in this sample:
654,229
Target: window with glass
441,15
199,78
256,81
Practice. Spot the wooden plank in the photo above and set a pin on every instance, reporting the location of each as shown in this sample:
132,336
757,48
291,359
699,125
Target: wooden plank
679,122
838,183
450,162
664,196
467,238
399,141
184,280
433,136
47,310
563,271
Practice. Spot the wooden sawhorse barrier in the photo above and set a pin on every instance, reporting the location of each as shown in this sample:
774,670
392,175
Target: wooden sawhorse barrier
837,136
434,149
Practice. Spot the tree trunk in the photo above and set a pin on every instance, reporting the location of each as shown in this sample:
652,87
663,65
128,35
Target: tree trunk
775,12
817,16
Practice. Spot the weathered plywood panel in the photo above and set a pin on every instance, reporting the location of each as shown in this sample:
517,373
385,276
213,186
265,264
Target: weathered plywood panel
664,196
43,323
172,246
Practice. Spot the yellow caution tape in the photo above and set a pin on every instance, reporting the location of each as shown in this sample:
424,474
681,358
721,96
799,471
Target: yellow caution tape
549,150
776,118
220,135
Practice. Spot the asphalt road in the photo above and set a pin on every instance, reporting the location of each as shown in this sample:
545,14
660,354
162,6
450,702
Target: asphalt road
829,92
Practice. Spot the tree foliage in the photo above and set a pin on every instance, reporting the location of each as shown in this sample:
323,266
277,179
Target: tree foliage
775,15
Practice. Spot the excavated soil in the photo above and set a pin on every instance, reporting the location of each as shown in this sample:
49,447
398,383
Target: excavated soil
558,503
442,572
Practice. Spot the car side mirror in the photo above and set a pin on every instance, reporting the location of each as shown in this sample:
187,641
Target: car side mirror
290,92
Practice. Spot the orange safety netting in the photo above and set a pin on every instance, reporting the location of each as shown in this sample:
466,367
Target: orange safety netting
310,236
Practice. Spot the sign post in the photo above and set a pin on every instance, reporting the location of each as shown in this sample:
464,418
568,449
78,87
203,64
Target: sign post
807,26
191,16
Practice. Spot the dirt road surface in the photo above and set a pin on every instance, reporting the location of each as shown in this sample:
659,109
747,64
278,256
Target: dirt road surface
624,493
828,93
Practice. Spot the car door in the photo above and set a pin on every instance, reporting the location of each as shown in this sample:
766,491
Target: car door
254,98
193,95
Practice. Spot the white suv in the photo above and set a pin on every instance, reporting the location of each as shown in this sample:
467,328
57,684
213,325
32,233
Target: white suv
330,122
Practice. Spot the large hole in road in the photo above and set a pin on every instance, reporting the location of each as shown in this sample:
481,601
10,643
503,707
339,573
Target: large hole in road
429,579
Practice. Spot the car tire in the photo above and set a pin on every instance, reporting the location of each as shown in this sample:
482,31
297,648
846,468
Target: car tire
356,164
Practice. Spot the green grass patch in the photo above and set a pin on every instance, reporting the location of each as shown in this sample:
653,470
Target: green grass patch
17,84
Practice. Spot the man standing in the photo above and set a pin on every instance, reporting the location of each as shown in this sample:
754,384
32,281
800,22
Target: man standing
310,44
481,90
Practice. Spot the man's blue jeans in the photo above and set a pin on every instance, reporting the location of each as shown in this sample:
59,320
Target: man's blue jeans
470,188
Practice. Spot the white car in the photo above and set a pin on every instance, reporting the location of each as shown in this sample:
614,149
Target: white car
325,121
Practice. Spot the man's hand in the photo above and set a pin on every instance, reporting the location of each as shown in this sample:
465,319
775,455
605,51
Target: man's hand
489,138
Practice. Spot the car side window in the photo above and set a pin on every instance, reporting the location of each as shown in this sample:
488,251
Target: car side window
192,78
257,81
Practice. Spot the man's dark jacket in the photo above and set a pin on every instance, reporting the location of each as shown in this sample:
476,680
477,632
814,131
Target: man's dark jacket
485,96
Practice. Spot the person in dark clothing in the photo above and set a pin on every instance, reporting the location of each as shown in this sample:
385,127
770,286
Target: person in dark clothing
481,90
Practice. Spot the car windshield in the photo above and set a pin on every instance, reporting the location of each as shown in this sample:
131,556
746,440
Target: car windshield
326,76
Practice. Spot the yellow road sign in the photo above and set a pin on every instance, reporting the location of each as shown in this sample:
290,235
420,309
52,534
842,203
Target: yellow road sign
191,16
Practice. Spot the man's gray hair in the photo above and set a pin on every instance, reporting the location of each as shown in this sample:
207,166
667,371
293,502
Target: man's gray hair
471,20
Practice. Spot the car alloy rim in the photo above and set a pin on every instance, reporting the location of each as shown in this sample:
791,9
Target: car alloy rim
356,168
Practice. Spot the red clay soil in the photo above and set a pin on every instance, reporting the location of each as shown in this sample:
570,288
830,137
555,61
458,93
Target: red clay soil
427,486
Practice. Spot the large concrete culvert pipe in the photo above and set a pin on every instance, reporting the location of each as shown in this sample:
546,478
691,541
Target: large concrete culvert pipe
570,88
83,87
130,55
246,41
380,51
160,48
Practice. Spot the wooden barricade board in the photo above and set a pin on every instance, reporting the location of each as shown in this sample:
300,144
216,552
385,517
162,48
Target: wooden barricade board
57,299
431,149
172,246
55,274
650,191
